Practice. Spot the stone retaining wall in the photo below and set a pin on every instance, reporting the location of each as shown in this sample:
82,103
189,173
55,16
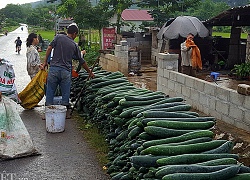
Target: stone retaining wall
220,102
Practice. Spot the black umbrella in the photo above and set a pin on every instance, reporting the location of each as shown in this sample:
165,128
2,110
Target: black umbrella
182,26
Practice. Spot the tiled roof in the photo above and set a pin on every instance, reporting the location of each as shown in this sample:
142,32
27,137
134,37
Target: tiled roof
136,15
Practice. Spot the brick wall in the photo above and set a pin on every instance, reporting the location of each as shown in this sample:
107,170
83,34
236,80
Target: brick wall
220,102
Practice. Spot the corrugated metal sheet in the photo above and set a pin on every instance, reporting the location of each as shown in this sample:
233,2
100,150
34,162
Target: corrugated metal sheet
136,15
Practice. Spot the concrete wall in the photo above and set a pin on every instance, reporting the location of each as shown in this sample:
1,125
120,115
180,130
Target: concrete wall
120,59
141,42
156,50
219,102
116,62
154,53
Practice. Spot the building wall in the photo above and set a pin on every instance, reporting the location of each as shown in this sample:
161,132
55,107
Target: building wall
219,102
116,62
158,49
141,42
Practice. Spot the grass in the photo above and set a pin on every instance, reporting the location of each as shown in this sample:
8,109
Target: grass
94,138
9,29
46,34
92,53
227,35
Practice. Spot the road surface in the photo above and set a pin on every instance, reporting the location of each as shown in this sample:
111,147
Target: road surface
64,156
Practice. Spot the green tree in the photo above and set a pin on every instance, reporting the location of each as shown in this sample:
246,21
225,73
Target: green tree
67,8
234,3
117,7
14,12
2,21
87,18
82,11
162,10
33,18
46,19
90,20
41,16
207,9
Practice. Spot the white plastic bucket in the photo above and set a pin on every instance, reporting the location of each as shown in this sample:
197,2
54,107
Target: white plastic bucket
55,116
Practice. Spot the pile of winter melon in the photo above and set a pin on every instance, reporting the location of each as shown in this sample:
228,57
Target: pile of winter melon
152,136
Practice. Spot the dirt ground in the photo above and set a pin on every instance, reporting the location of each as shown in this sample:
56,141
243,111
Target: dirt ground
148,79
225,79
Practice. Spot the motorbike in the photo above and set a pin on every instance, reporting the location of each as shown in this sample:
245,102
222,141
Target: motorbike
18,49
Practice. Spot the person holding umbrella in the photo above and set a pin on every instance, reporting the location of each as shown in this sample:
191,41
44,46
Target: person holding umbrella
190,56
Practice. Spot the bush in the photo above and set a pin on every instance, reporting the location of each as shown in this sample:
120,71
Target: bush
91,56
10,22
242,70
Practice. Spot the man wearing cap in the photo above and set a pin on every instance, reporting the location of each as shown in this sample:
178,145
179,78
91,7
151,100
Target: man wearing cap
60,69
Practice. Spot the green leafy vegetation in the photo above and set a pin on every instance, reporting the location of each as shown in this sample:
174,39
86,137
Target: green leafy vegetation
227,35
95,138
44,15
46,34
242,70
8,28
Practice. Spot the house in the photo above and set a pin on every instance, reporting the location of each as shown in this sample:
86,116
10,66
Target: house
134,18
64,23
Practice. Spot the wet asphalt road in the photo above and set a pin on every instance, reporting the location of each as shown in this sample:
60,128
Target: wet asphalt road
64,156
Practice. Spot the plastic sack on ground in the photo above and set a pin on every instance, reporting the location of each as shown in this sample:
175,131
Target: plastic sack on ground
15,140
7,79
34,91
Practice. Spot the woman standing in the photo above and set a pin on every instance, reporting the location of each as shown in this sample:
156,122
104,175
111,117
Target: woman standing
33,58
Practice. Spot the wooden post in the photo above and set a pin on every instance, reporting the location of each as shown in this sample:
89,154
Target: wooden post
248,49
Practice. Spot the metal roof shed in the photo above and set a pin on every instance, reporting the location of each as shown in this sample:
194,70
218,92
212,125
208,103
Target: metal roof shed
235,17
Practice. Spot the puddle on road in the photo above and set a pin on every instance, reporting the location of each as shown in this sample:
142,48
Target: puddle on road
146,80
